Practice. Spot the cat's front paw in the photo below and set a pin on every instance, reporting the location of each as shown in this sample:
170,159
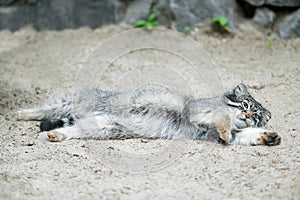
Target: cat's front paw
55,136
269,138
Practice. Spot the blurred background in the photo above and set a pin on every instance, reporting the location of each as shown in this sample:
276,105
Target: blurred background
279,16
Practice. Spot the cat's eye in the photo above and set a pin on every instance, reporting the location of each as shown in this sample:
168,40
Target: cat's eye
245,104
255,112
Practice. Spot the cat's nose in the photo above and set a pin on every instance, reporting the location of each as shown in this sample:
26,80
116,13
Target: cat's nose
248,115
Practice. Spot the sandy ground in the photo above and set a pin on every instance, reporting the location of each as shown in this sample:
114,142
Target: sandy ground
37,66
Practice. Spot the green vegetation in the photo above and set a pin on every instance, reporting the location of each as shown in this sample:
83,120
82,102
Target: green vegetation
186,30
149,23
220,24
270,44
44,30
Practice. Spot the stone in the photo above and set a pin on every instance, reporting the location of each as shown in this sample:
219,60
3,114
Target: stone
12,18
58,14
6,3
137,10
256,2
290,26
264,17
191,12
164,13
245,9
279,3
283,3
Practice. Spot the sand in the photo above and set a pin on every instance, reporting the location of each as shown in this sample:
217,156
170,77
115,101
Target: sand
36,66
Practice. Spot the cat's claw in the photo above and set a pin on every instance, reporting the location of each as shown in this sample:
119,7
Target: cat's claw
269,139
55,136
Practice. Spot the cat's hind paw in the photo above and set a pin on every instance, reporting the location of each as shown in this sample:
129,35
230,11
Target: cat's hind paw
25,115
269,138
55,136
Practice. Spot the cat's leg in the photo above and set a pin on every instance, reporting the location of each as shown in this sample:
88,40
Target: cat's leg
256,136
44,113
97,127
32,114
222,122
57,109
61,108
60,134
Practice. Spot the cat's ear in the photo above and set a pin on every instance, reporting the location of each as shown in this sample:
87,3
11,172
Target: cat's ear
240,90
236,94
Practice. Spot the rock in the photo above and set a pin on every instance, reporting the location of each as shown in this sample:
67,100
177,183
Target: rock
279,3
290,26
13,18
264,17
58,14
5,3
191,12
137,10
256,2
283,3
164,13
140,9
247,9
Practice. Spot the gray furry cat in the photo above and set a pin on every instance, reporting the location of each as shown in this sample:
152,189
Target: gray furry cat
234,117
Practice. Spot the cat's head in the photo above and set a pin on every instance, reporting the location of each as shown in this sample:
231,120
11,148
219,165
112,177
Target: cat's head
250,113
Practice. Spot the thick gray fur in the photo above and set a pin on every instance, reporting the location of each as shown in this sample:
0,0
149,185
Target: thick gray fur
156,112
